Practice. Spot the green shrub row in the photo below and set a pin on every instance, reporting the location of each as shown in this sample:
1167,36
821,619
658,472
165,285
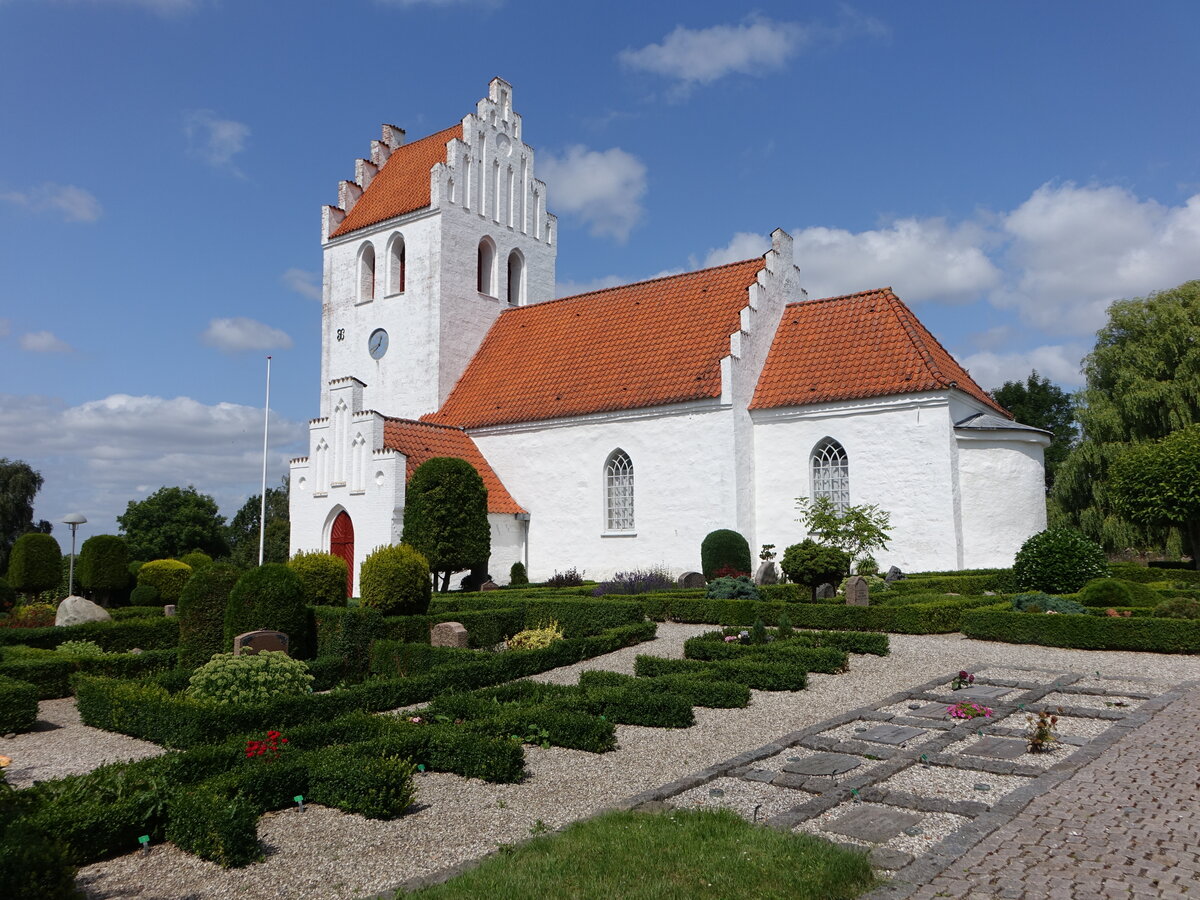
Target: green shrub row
149,711
712,645
50,672
1096,632
116,637
18,705
753,673
1000,582
697,691
122,613
1146,574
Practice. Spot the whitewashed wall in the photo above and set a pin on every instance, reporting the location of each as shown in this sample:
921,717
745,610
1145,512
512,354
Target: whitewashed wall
1003,494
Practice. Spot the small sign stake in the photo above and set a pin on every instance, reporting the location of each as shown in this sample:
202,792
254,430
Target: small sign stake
144,840
299,798
854,794
421,767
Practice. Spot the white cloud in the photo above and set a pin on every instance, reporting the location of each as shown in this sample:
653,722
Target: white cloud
214,140
99,455
1058,362
73,204
743,245
242,334
603,188
757,45
1072,250
303,282
44,342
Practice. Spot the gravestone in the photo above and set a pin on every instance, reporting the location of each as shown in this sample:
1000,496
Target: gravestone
996,748
826,592
489,586
931,711
253,642
692,580
857,593
77,610
873,824
766,573
981,692
891,734
448,634
169,610
824,764
893,574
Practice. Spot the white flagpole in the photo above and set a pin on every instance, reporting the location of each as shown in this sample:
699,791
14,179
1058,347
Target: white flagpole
262,512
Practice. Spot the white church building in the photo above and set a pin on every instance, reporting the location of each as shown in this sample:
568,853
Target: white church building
615,429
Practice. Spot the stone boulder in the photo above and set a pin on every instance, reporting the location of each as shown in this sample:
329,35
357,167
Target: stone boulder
77,610
448,634
893,574
766,573
692,580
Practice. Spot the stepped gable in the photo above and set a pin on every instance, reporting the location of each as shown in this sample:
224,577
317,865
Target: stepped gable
861,345
637,345
403,183
420,441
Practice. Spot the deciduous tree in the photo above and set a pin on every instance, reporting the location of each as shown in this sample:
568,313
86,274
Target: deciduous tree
171,522
19,484
243,530
1158,483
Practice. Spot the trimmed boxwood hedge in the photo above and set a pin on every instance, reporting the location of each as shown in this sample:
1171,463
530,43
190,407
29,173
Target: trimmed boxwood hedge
158,633
697,691
1145,574
759,675
1000,582
50,672
18,705
1097,632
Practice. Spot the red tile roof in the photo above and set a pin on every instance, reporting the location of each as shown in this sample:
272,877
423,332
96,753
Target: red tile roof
420,441
861,345
646,344
402,185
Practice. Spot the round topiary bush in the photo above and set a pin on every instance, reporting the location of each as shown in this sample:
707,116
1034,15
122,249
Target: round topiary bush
103,566
811,564
724,549
1178,608
168,575
517,575
741,588
270,597
201,612
323,576
145,595
1115,592
1058,561
395,580
35,564
250,678
197,559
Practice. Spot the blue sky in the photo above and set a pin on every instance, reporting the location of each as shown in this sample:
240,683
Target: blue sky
1008,168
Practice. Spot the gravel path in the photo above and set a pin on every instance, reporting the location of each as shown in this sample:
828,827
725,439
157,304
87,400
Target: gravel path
327,854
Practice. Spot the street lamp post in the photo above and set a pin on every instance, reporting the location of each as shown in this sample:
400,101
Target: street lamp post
74,520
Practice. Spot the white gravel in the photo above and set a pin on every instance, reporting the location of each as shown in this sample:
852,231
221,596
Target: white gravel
1070,726
1055,755
794,754
952,784
1114,703
333,855
741,797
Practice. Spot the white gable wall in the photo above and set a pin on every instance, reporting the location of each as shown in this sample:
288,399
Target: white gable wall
1003,483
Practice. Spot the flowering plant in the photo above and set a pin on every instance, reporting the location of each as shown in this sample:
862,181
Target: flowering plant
962,680
968,710
731,638
1043,731
270,748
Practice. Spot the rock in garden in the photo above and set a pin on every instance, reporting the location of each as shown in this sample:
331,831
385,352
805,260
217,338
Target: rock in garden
489,586
448,634
893,574
692,580
77,610
766,573
826,592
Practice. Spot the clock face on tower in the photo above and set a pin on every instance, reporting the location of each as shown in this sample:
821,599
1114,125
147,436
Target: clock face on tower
377,343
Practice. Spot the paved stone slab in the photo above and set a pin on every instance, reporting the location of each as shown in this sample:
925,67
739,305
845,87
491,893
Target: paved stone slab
930,711
997,748
872,824
981,692
824,764
891,734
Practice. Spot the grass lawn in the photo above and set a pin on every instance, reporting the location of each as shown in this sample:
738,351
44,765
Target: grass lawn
684,854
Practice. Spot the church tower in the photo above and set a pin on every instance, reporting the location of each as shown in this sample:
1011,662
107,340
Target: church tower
427,245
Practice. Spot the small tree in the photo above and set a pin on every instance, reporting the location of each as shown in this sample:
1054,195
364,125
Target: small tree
812,564
35,564
856,530
102,568
201,613
724,549
1159,484
323,576
445,516
395,580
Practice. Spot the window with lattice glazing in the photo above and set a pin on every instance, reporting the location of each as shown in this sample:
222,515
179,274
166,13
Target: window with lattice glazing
618,486
831,473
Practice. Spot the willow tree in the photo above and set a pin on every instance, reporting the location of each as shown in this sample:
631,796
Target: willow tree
1142,382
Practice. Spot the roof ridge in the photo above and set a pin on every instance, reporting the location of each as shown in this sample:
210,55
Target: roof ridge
853,296
904,315
633,284
402,421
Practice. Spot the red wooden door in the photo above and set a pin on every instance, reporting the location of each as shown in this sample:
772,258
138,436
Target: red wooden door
341,543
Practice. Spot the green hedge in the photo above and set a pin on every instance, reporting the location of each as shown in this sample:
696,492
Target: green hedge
50,672
1145,574
759,675
713,645
1000,582
160,633
1095,632
122,613
697,691
18,705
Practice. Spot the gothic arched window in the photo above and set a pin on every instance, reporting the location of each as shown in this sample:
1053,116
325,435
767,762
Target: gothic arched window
486,277
366,273
618,492
516,278
396,266
831,473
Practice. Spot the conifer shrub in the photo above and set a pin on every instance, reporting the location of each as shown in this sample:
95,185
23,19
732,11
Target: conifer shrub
201,613
103,566
1178,608
168,575
517,574
395,580
323,576
135,566
740,588
1115,592
269,597
1037,601
724,549
35,564
1058,561
145,595
811,564
250,678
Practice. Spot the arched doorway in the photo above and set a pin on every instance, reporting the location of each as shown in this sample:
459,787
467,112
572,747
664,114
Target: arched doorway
341,543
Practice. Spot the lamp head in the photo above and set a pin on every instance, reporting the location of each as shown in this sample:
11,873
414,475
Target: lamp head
74,519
